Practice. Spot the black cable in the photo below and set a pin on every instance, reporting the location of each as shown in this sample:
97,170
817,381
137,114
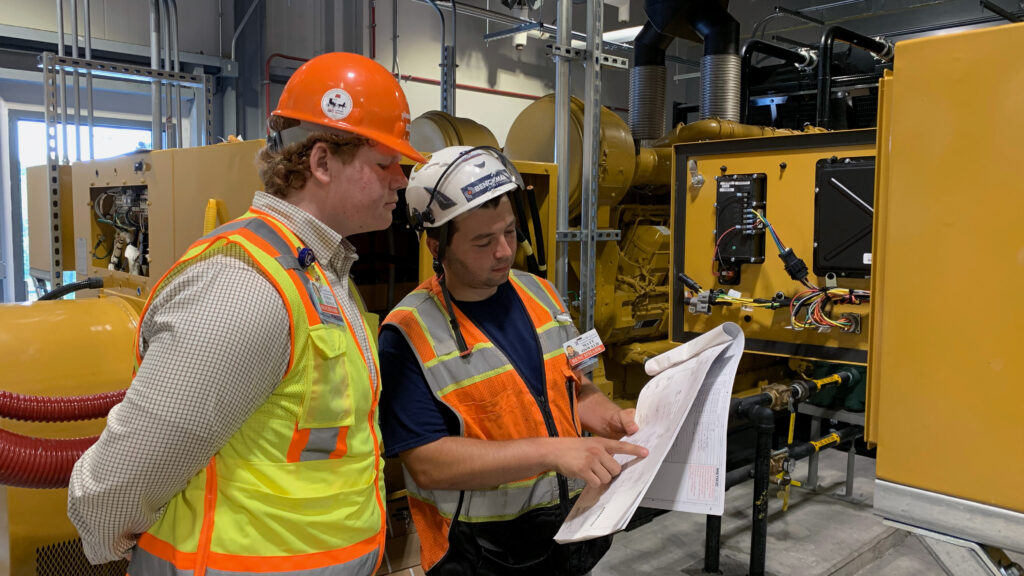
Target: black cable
61,291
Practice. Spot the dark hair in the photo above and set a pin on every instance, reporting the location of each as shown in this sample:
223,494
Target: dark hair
288,169
435,233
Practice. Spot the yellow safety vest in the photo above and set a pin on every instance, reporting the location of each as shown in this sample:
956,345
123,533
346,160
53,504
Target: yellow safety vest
299,487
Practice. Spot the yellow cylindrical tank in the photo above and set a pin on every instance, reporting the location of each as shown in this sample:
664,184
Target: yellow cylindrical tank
66,348
435,130
532,137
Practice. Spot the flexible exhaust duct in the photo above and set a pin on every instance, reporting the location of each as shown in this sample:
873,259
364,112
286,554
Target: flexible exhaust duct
698,20
57,408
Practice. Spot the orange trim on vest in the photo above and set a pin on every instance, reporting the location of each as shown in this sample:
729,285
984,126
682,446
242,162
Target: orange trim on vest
299,440
433,530
209,507
341,447
262,564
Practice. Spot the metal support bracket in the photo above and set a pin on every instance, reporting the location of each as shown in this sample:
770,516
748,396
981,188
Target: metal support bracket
577,235
570,53
962,557
53,65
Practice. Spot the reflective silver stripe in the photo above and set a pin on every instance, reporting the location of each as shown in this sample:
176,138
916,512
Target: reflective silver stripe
322,441
503,503
145,564
534,287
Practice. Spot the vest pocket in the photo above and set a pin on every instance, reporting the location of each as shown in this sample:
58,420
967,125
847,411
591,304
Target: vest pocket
327,395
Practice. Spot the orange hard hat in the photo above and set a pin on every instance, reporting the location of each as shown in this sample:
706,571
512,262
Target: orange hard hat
350,92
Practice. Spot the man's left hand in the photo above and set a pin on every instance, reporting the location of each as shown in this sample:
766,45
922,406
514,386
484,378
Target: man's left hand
623,423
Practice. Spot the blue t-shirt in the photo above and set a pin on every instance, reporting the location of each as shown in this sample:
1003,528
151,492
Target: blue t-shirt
410,414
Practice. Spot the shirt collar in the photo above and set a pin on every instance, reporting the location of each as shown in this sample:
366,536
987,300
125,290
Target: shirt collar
329,247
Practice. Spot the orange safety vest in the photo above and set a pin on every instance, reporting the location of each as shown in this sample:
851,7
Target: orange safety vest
508,528
299,488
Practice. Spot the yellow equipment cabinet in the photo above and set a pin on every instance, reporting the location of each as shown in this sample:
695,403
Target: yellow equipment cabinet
136,214
945,395
816,191
40,245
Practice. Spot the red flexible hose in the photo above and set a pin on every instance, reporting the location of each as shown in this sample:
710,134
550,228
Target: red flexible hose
57,408
28,462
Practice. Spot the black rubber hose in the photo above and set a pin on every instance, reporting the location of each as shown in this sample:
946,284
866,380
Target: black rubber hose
62,291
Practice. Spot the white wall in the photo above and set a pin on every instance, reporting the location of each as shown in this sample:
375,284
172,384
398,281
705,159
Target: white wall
299,31
122,21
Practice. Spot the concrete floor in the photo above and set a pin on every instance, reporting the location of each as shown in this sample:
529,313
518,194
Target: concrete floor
822,533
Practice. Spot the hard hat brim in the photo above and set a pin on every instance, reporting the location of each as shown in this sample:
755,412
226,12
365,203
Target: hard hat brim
399,145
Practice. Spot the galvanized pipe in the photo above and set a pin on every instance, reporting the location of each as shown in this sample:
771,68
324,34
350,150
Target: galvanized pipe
88,79
492,16
167,93
63,104
562,90
154,63
74,82
172,10
591,164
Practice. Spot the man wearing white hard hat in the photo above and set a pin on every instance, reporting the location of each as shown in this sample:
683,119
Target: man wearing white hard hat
480,401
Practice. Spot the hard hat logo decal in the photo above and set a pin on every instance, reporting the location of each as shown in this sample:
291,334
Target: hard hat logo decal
485,184
336,104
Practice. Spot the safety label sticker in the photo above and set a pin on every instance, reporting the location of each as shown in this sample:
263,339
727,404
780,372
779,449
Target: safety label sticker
336,104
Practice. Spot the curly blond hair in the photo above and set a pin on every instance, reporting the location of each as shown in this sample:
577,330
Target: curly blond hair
287,169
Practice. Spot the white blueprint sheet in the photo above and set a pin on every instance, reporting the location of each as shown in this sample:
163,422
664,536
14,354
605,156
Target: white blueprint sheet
683,414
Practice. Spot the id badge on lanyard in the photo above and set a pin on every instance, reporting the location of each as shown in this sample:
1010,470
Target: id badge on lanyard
326,304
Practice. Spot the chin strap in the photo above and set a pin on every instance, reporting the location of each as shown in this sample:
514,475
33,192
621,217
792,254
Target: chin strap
439,270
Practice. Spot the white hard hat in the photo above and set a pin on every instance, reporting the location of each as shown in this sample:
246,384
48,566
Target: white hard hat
455,180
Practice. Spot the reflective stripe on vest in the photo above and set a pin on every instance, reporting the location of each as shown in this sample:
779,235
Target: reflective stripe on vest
298,489
145,564
422,319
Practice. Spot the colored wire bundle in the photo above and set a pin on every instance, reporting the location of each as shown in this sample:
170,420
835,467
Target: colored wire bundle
812,308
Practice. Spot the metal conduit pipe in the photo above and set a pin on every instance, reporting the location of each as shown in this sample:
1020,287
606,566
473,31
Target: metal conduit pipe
801,58
166,93
172,11
88,80
154,63
491,16
881,48
62,93
74,81
445,81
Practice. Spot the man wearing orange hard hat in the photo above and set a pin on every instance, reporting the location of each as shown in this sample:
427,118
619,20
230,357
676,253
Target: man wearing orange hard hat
248,441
